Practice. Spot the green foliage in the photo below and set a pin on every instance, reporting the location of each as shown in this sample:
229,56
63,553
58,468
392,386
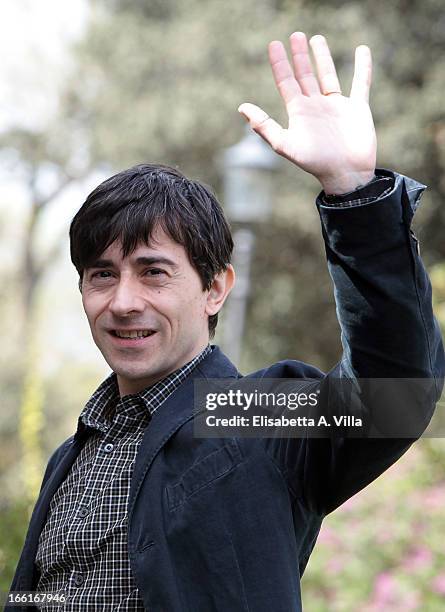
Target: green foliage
14,519
380,550
162,82
31,423
437,276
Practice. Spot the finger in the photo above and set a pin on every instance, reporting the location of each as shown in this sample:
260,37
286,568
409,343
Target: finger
282,72
361,81
327,74
302,64
262,124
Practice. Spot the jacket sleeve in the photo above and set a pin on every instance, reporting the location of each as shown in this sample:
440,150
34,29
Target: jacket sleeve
51,465
388,331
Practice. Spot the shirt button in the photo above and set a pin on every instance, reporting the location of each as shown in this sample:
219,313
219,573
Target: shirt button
79,579
108,447
83,512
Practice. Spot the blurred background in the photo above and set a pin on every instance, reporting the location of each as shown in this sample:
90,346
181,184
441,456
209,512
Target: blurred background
93,86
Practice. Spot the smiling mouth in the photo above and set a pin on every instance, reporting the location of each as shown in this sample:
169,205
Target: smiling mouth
132,334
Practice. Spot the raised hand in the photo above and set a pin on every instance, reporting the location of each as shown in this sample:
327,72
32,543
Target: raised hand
329,135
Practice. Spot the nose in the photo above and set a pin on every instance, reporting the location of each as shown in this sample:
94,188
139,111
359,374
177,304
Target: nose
127,298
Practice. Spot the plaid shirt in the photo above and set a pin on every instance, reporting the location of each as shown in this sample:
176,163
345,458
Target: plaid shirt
379,187
83,546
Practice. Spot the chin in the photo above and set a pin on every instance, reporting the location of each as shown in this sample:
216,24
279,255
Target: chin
135,375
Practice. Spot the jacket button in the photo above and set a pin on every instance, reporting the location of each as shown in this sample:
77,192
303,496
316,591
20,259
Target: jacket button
83,511
108,447
79,579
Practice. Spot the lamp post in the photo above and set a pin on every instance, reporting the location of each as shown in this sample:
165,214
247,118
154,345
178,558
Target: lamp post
247,167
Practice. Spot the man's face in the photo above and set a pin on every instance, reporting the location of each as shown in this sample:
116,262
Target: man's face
153,295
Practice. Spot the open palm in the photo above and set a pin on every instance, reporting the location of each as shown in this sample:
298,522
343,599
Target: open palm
329,135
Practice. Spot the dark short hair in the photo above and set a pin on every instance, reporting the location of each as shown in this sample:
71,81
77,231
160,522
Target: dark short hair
129,205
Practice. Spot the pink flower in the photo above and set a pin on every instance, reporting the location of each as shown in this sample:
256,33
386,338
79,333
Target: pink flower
383,536
418,529
418,559
328,536
391,597
384,588
335,565
438,584
434,498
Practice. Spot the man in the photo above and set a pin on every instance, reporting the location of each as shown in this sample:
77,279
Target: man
135,512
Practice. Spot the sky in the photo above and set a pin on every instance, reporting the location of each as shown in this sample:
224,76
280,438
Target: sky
35,39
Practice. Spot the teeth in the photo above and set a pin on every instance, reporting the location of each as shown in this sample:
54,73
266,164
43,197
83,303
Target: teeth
141,333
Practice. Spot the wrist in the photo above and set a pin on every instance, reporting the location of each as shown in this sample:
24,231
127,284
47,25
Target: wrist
346,183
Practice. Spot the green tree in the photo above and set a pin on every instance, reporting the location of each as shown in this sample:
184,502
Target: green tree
161,81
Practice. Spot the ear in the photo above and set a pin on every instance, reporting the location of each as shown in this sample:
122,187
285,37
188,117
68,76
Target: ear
221,287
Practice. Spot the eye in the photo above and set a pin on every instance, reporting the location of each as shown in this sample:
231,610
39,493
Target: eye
155,272
101,274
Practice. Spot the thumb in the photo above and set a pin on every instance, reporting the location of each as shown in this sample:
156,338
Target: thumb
262,124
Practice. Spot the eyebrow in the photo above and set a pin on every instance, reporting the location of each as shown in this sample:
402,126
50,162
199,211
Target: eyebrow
142,261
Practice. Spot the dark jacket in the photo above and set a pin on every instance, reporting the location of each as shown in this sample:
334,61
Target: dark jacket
228,524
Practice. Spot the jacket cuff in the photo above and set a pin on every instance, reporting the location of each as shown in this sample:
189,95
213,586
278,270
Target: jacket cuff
374,225
378,187
382,185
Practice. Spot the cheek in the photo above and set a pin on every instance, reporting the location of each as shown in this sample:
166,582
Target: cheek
198,312
197,303
190,309
93,308
87,309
